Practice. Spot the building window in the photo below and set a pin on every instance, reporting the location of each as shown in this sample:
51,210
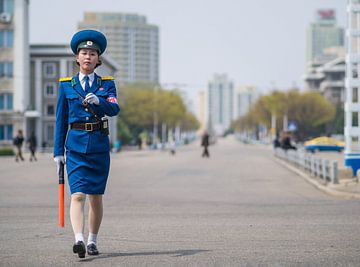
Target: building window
70,67
6,101
50,110
50,89
6,38
6,132
6,69
7,6
50,133
49,70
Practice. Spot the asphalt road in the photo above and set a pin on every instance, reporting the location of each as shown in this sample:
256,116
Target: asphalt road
238,208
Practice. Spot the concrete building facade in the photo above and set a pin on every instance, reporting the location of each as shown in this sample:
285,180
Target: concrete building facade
14,67
132,43
352,83
220,105
323,34
328,79
201,112
245,97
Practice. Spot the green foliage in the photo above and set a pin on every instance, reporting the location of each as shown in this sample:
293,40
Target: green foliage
6,151
124,133
309,110
189,122
141,103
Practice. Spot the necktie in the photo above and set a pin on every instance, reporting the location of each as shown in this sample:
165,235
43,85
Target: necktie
87,84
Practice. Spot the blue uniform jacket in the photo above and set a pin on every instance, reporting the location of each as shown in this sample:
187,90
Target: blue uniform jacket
70,109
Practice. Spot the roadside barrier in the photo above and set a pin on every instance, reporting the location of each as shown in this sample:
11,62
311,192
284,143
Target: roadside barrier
316,166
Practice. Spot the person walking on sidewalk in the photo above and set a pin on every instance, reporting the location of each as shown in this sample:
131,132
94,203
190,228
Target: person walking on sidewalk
32,143
205,143
83,102
18,142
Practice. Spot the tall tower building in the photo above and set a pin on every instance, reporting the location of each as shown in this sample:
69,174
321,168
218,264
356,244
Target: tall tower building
323,34
352,88
220,103
132,42
14,67
201,110
245,97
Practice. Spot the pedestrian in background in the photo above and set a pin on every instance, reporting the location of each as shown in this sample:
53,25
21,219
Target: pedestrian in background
83,102
172,145
276,142
205,142
139,142
286,141
32,143
18,142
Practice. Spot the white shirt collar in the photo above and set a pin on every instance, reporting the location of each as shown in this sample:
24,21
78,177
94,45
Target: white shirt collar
91,77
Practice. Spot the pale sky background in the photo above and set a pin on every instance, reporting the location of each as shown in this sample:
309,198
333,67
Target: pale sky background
256,42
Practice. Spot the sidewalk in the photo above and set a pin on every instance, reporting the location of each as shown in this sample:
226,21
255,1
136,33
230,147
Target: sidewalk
348,187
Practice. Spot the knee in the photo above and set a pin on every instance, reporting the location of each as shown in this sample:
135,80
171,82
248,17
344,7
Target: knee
95,199
78,197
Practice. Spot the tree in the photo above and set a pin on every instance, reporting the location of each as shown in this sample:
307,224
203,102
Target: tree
141,103
310,111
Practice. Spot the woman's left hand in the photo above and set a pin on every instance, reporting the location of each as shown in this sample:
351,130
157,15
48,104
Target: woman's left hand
92,99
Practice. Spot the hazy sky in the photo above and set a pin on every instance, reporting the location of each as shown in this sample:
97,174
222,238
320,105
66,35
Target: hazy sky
258,42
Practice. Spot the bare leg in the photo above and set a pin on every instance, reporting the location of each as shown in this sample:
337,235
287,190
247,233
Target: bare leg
77,212
95,213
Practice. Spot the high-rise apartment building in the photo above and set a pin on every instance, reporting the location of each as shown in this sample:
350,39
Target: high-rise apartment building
201,110
220,103
323,34
245,97
14,67
132,42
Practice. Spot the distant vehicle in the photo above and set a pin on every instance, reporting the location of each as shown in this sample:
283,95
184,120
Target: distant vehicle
324,143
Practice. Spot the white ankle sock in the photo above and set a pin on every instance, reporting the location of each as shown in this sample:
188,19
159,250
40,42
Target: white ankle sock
92,238
79,237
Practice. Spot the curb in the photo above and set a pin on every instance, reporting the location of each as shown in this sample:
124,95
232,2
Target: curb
316,184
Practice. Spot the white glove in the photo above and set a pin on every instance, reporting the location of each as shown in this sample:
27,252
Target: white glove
59,160
92,99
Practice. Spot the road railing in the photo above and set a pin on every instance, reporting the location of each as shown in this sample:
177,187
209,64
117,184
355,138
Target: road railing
316,166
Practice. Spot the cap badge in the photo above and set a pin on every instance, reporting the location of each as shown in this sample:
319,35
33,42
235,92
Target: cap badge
89,43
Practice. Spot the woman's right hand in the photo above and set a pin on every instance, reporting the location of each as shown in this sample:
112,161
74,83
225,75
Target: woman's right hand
59,160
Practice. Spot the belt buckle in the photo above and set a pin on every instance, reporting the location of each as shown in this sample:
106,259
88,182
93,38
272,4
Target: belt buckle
89,127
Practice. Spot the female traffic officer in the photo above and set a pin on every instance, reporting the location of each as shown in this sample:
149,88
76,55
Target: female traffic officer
81,128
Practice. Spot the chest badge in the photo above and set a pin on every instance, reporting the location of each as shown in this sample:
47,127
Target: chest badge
101,89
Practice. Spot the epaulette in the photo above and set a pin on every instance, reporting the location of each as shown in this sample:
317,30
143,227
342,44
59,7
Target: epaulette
106,78
65,79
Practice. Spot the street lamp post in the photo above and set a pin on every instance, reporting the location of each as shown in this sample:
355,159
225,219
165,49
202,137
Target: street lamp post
155,118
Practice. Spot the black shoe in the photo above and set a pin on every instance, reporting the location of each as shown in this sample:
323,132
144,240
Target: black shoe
79,248
92,249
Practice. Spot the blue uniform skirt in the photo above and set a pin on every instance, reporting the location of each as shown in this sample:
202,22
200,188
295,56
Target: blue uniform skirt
87,173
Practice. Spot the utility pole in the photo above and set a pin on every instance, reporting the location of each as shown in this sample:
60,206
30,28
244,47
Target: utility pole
155,118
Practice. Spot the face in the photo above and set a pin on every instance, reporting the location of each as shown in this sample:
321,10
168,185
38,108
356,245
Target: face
87,58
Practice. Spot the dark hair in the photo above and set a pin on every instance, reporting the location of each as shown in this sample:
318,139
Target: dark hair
99,64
